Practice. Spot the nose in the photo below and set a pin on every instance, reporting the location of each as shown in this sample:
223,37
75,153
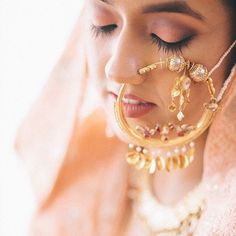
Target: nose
125,59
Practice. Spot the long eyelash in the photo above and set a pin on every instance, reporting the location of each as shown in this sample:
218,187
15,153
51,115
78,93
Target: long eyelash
175,47
103,30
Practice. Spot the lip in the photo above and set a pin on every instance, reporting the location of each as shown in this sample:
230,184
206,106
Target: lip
135,110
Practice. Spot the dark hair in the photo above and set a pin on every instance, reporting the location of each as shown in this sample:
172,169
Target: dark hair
232,7
231,4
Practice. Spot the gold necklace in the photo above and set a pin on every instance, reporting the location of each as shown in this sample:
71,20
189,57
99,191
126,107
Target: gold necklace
161,220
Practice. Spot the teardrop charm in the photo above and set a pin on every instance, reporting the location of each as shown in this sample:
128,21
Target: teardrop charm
180,116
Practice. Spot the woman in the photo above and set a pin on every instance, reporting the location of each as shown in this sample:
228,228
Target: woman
82,181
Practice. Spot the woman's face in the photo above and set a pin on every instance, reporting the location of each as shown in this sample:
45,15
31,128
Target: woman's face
126,35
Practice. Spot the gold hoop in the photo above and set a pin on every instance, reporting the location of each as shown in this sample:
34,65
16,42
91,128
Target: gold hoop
204,122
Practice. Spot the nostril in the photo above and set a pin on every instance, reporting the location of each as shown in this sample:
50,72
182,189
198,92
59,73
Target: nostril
123,74
127,79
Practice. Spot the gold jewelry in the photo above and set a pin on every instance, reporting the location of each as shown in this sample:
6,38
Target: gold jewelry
142,158
151,164
165,131
181,89
138,139
198,73
147,139
160,220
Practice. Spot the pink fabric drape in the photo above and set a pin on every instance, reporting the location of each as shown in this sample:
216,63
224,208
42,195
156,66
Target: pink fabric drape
79,183
220,170
44,136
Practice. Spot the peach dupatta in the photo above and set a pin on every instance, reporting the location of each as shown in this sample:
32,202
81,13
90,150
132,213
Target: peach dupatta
220,170
80,185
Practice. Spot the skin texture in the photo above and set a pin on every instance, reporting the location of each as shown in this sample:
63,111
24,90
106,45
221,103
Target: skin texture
115,58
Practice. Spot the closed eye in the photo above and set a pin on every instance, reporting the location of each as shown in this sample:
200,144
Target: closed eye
174,47
103,30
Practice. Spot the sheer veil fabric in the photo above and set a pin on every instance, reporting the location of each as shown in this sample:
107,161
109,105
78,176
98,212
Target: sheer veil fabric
79,181
80,176
220,169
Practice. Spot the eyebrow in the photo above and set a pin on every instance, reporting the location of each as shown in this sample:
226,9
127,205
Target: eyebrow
171,7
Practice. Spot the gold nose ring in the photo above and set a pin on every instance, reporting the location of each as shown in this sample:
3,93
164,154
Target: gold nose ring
157,65
190,72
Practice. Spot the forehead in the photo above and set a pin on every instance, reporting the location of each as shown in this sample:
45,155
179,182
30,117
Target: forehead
212,11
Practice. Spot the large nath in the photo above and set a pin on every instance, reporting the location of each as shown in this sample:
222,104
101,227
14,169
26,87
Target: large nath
206,119
175,141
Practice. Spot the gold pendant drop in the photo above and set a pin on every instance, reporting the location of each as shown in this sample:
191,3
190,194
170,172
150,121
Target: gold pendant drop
158,160
180,90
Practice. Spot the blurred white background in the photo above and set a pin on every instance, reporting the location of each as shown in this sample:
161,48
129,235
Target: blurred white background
32,37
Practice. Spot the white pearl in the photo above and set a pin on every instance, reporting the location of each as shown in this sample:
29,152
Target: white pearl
145,151
131,146
168,154
176,151
192,144
183,149
138,149
156,152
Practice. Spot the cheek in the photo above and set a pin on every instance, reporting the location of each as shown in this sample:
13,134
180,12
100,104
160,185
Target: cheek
198,97
96,61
